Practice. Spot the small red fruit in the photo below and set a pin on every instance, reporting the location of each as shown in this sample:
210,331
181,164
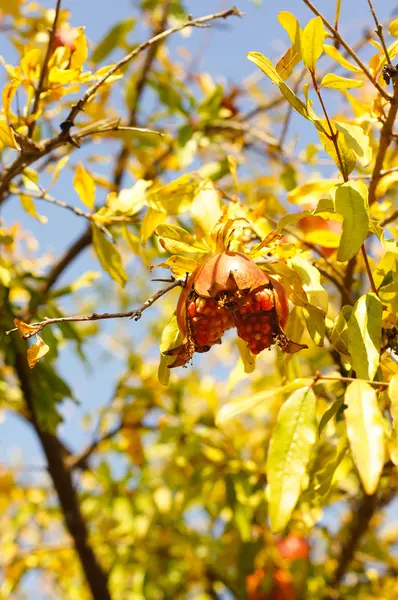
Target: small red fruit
293,547
230,290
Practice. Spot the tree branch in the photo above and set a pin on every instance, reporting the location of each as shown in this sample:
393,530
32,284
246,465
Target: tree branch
131,314
62,479
199,21
122,158
44,68
349,50
379,31
385,140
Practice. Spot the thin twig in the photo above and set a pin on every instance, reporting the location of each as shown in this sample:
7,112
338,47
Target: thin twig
79,106
385,141
44,68
368,270
78,460
131,314
349,50
379,31
142,79
320,377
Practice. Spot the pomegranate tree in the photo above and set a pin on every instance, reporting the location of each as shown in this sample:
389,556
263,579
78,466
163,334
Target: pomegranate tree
230,290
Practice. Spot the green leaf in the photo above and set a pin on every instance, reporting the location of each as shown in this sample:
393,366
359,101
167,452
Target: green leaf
233,409
365,433
364,336
345,158
108,256
312,39
289,454
338,57
329,414
337,82
115,37
393,441
351,201
315,320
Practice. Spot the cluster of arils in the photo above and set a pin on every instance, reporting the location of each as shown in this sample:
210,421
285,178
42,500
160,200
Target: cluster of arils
230,290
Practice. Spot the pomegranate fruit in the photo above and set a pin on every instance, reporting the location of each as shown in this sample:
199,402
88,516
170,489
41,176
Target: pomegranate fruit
229,290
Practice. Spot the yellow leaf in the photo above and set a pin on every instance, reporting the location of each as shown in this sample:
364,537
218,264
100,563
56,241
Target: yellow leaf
11,7
289,60
7,96
79,56
37,351
393,28
356,140
108,256
338,57
312,39
177,196
179,265
365,432
7,138
30,64
58,167
206,208
29,206
62,76
177,240
291,26
323,237
311,191
84,186
336,82
151,220
25,330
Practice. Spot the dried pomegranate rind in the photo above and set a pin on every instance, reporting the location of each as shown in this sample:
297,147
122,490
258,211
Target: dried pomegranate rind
229,290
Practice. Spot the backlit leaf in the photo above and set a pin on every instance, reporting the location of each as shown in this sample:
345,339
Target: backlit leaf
7,138
338,57
365,432
178,241
351,201
311,282
37,351
233,409
315,320
337,82
248,359
289,454
29,206
357,140
312,39
171,338
108,256
177,196
25,330
364,335
292,27
84,186
289,60
393,28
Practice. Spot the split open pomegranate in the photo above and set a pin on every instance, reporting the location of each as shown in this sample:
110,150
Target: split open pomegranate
229,290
